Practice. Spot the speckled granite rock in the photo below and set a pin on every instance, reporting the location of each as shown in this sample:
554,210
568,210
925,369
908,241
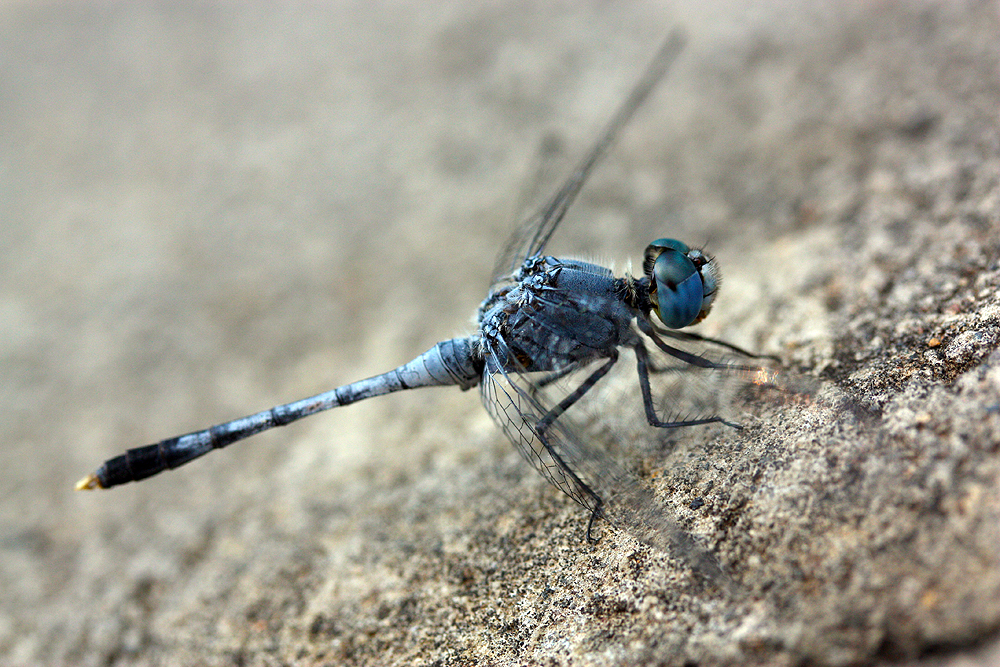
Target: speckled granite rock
209,210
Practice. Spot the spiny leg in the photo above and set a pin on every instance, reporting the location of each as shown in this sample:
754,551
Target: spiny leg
642,366
554,376
656,370
543,424
687,335
687,357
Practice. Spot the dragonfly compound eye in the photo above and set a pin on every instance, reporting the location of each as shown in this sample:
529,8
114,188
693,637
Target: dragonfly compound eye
682,282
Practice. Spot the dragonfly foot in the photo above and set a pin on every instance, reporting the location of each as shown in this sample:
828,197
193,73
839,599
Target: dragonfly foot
594,515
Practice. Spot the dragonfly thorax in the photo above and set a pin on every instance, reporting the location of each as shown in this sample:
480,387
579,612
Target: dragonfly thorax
559,312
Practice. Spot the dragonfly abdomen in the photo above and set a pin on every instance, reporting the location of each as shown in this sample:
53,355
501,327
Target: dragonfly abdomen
450,362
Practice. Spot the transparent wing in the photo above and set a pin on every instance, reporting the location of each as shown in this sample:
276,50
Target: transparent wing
531,237
568,455
517,408
595,449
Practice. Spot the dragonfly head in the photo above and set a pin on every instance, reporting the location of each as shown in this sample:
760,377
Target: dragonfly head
682,282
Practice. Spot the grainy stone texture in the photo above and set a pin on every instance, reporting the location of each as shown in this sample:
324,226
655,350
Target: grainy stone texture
211,209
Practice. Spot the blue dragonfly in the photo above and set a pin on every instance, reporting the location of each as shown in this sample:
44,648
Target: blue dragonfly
549,330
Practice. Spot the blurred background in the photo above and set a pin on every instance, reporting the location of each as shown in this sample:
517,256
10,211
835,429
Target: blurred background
210,208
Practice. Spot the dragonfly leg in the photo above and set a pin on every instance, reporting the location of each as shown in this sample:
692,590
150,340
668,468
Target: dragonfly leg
656,370
687,357
594,515
555,375
586,496
577,393
642,366
687,335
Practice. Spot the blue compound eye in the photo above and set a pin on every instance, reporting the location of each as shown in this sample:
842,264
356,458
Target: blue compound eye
672,244
679,293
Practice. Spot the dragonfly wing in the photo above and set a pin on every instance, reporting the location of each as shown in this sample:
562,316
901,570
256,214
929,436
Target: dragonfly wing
593,450
517,408
568,454
531,237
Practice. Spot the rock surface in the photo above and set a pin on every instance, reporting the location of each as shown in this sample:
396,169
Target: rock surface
212,209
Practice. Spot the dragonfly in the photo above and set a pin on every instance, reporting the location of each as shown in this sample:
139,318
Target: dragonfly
549,331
